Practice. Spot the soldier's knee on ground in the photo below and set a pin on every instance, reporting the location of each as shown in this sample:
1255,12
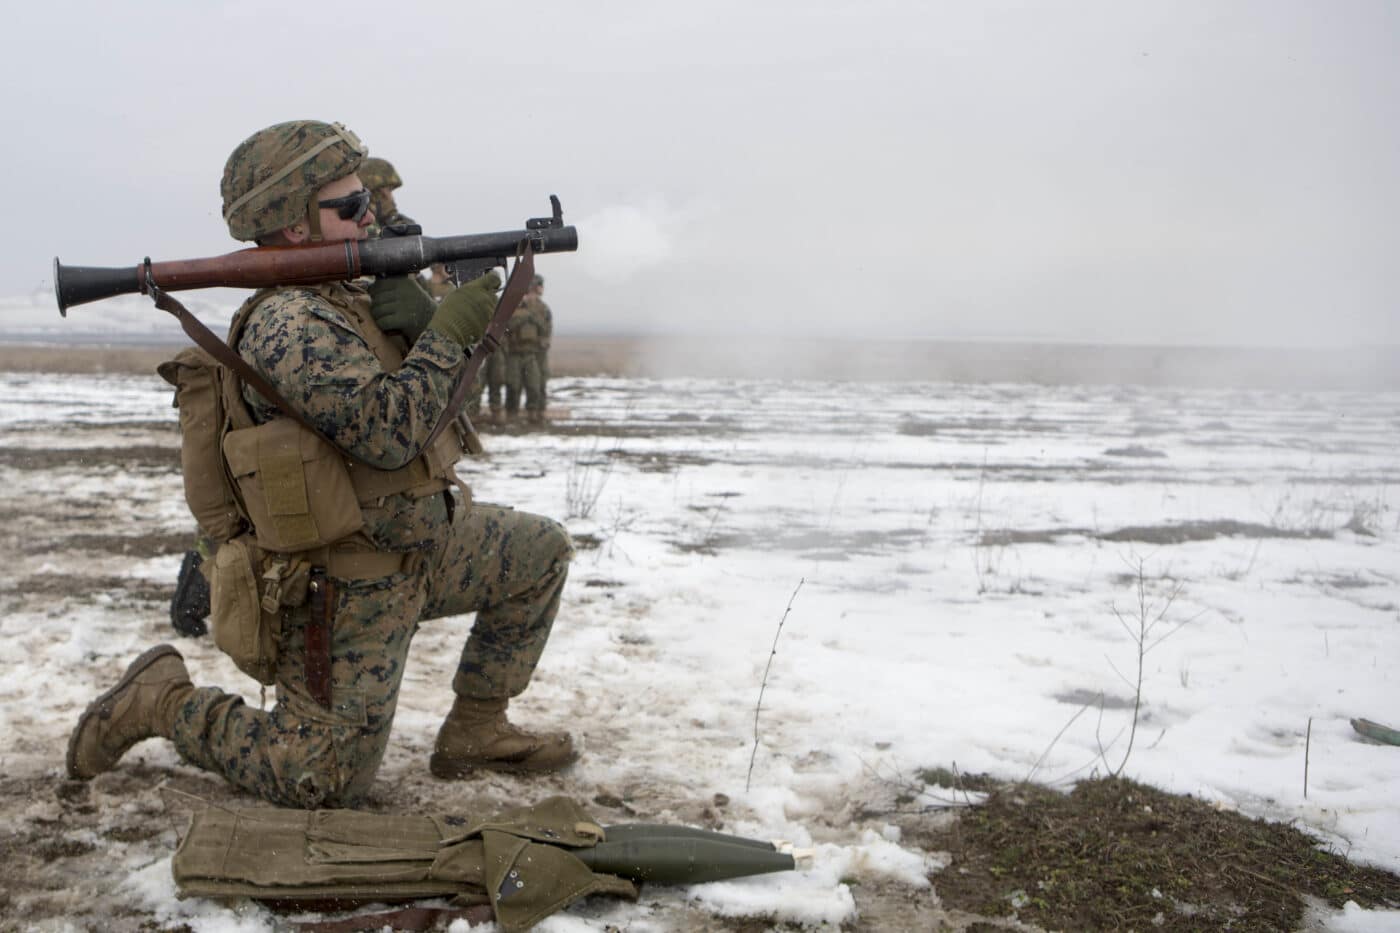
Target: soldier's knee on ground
555,538
318,783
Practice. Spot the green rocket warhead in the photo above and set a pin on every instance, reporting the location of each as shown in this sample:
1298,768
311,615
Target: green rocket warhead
680,855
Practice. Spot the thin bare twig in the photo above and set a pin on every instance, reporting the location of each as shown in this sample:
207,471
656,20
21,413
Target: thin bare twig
1041,760
1098,734
1121,676
914,789
1307,758
582,485
1149,617
758,707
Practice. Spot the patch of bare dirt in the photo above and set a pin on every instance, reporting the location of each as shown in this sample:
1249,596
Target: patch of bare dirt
1118,855
1177,533
142,457
1207,531
144,545
1135,450
58,840
1001,537
63,584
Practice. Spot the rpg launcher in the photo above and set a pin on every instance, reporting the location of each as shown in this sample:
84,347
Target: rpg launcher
307,264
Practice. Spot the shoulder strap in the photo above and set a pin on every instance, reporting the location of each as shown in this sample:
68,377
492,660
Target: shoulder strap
221,351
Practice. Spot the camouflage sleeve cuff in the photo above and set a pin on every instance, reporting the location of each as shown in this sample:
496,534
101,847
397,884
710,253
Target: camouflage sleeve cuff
438,350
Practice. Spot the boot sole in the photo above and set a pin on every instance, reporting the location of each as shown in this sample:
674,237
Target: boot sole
145,660
449,769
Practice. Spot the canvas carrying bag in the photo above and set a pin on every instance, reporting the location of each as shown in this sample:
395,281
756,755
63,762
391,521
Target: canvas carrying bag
518,862
204,419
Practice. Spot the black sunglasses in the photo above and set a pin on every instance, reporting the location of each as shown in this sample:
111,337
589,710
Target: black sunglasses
350,207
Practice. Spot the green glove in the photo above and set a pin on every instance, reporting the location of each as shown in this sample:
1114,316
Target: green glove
400,305
464,312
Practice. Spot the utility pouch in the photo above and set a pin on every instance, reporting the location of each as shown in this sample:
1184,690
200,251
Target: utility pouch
235,610
295,486
248,591
441,458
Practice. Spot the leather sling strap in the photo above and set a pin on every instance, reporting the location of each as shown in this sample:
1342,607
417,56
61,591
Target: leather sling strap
211,344
516,286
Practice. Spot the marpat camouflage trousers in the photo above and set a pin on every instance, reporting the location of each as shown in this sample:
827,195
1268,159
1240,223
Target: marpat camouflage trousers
490,379
506,566
528,370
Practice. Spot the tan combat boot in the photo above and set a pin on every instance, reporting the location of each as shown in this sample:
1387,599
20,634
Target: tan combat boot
141,706
535,417
476,734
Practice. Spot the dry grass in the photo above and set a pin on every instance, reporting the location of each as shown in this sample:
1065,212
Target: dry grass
737,356
26,358
570,357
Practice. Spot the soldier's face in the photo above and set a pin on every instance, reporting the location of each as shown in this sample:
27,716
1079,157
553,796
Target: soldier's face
332,226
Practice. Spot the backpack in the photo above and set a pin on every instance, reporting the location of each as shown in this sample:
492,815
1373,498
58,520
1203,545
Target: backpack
202,386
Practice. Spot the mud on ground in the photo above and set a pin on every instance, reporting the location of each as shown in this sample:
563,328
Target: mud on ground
1117,855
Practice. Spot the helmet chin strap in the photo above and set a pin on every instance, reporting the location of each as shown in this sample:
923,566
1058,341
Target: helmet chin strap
313,219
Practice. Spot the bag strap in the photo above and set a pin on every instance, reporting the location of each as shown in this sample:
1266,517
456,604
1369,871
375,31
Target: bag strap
211,344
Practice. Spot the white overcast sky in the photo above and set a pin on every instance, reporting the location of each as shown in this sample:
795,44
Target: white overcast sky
1147,172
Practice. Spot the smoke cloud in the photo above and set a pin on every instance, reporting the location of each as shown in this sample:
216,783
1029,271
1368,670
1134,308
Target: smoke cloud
623,239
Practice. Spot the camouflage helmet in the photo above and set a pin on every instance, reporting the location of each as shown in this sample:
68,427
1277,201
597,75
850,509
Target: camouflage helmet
270,178
379,173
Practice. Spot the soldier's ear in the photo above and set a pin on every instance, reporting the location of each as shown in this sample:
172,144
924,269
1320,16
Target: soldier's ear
295,233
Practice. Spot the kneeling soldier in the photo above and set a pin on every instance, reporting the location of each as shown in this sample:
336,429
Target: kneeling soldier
414,547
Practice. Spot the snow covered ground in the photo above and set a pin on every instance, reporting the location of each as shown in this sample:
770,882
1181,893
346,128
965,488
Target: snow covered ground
966,566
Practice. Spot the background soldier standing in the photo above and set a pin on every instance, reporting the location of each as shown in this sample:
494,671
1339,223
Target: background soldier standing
492,378
490,381
419,549
382,181
439,284
527,366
